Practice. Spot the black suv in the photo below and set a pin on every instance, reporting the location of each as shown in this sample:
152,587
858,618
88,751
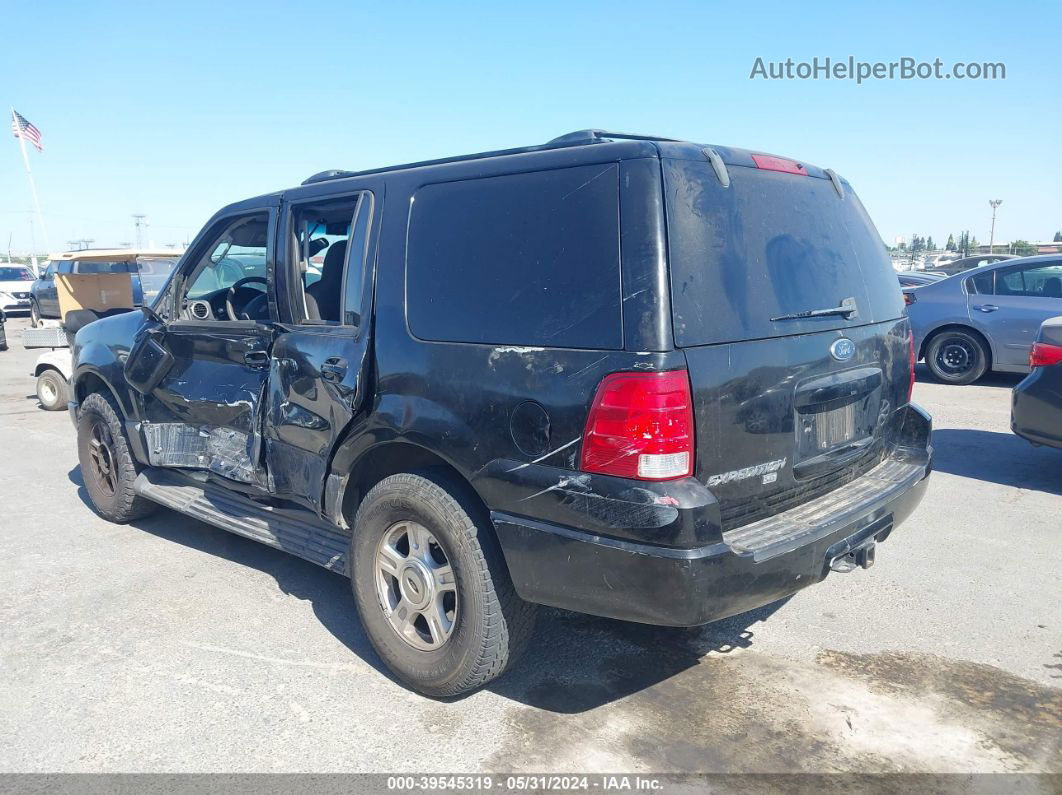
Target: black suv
633,377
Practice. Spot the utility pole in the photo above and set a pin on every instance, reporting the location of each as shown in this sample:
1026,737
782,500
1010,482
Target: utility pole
992,235
139,221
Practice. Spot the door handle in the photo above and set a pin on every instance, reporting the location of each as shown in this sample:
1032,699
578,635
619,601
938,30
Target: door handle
334,369
256,358
987,307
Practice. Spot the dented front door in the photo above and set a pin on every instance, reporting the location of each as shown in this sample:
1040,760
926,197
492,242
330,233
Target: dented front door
204,413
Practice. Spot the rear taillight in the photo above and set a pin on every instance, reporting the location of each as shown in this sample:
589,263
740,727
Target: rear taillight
911,358
909,298
641,426
772,163
1045,355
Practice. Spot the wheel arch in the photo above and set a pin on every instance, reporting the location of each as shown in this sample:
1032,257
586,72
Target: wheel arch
42,366
392,456
88,381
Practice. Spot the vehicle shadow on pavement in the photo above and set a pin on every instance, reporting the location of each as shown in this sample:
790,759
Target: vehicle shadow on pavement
994,457
1003,380
328,593
577,662
574,662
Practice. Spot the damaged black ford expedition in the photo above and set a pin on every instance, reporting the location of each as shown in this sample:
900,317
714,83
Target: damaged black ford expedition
629,376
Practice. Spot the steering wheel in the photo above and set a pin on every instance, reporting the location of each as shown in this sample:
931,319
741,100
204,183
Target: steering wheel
232,292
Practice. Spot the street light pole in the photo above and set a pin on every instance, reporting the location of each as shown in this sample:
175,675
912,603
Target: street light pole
992,235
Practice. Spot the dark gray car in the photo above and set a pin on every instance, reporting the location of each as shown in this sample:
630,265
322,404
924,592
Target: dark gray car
971,262
971,323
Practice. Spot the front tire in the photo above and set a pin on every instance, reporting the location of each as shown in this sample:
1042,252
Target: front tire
431,586
53,392
35,315
957,357
107,465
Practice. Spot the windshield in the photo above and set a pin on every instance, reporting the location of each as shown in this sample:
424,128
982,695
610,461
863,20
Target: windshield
15,274
772,245
228,270
154,273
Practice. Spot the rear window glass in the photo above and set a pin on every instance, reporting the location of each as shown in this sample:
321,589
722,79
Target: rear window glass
771,244
524,259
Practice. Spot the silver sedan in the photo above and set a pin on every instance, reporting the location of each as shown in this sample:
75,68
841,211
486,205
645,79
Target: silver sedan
985,319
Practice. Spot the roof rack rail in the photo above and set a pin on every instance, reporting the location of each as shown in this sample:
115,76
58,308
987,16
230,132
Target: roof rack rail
569,139
591,136
324,176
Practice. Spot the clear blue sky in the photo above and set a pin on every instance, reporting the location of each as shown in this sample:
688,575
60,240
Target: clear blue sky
176,109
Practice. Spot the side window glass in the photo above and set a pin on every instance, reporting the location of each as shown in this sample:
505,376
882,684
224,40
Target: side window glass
235,258
238,253
981,283
1040,281
1012,283
519,259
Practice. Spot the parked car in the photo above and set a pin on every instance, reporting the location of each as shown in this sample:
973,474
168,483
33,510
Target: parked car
951,267
3,331
911,279
151,263
485,401
15,283
1036,410
968,324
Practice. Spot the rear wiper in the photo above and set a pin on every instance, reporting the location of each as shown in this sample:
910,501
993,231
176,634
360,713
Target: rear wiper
847,310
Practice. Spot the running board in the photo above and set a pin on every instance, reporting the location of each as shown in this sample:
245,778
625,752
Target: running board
298,532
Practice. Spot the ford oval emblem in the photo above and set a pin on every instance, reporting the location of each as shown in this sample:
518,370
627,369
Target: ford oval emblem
843,349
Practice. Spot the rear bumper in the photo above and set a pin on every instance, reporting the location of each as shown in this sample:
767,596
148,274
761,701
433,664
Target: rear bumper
567,567
1036,410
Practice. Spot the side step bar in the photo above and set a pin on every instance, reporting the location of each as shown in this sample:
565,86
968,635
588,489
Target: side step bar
300,533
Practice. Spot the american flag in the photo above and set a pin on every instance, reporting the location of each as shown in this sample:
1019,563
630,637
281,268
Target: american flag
23,128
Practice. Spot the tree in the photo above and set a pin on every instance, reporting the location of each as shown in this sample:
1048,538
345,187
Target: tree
950,245
1023,248
1058,237
929,244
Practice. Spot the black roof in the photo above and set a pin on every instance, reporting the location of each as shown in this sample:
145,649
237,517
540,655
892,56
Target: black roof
577,138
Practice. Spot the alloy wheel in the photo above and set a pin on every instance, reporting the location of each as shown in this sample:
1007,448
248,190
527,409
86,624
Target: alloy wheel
416,586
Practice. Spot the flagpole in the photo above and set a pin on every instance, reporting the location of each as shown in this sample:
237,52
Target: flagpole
33,185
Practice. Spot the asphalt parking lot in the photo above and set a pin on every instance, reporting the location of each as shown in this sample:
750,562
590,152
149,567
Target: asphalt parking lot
168,645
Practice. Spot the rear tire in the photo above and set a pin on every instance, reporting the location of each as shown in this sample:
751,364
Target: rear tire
53,391
107,465
955,356
418,541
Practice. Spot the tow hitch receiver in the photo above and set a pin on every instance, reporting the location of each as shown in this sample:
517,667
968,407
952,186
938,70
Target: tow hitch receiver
857,551
862,557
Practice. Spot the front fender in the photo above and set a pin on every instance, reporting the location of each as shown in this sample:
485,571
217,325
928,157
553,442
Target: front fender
100,351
